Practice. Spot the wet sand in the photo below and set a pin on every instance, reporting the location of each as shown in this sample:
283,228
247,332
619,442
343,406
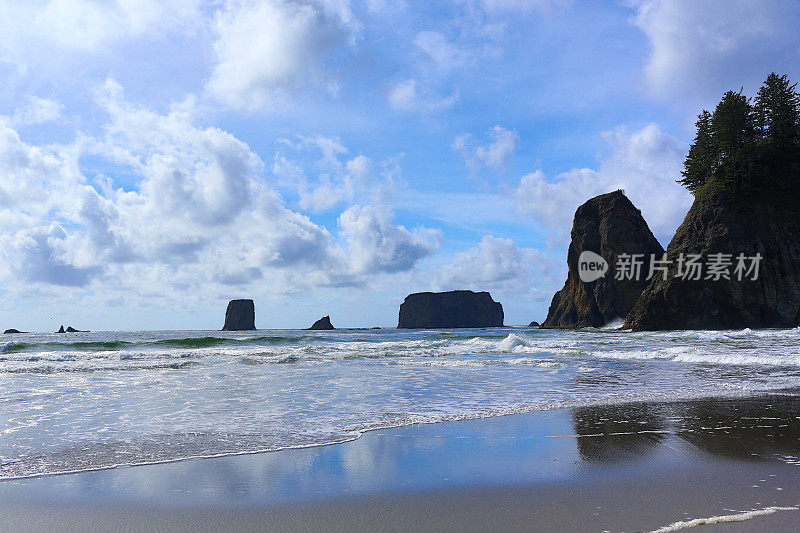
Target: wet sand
631,467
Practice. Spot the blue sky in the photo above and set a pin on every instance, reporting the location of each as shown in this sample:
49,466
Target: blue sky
329,157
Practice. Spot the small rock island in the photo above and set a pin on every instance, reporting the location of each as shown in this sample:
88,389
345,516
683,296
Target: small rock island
323,323
240,316
453,309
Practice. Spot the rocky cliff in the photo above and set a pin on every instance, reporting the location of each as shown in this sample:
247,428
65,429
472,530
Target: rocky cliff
608,225
454,309
240,316
720,223
322,324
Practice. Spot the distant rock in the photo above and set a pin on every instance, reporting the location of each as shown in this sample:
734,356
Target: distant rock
61,330
720,222
70,329
607,225
12,330
534,324
240,316
454,309
322,323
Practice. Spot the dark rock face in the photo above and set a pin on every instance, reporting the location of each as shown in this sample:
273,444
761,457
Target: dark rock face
720,223
70,329
61,330
240,316
12,330
534,324
454,309
322,323
608,225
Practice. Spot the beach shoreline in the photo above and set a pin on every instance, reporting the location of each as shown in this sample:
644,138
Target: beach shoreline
629,467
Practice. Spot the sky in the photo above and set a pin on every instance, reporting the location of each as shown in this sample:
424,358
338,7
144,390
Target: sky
328,157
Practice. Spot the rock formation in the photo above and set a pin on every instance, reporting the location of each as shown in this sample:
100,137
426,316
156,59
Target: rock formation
12,330
719,222
454,309
534,324
61,330
240,316
608,225
322,323
70,329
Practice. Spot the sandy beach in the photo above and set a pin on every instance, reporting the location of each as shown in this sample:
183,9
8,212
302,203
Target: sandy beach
629,467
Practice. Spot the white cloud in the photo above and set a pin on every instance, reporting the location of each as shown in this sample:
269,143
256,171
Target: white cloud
701,49
338,179
37,111
265,49
195,213
35,28
404,96
376,245
494,155
444,54
644,163
498,264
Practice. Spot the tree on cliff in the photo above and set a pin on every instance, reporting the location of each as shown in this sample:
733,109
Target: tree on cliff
703,158
744,147
777,111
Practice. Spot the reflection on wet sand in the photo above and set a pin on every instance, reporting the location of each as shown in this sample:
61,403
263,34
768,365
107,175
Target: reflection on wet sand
754,429
618,432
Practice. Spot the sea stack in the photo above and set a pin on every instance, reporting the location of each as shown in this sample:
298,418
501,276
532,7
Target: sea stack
12,330
607,225
322,324
726,223
61,329
534,324
453,309
240,316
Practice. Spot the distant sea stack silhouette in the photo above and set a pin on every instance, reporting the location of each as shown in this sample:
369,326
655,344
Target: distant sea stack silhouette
61,330
12,330
322,324
240,316
608,225
720,222
453,309
534,324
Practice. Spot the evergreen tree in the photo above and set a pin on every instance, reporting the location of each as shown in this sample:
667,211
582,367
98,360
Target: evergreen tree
777,110
701,163
734,133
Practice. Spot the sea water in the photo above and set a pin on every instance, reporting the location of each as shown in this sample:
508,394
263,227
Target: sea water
79,401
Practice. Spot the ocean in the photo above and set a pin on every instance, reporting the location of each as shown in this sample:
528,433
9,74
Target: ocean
84,401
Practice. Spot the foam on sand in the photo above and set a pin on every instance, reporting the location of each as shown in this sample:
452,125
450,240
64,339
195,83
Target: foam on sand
738,517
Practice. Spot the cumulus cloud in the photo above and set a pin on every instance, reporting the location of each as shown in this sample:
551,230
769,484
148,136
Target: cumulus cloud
194,211
701,49
37,111
376,245
437,48
266,48
498,264
641,162
404,96
493,155
336,178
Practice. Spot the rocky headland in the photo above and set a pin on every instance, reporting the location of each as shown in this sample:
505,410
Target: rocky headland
453,309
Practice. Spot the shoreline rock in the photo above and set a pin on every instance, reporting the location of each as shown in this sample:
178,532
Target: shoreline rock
240,316
12,330
607,225
323,323
534,324
719,222
453,309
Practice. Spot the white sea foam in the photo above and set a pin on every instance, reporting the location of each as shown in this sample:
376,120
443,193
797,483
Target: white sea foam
738,517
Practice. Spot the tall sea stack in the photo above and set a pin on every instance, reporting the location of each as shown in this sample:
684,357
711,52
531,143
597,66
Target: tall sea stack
723,223
453,309
240,316
608,225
